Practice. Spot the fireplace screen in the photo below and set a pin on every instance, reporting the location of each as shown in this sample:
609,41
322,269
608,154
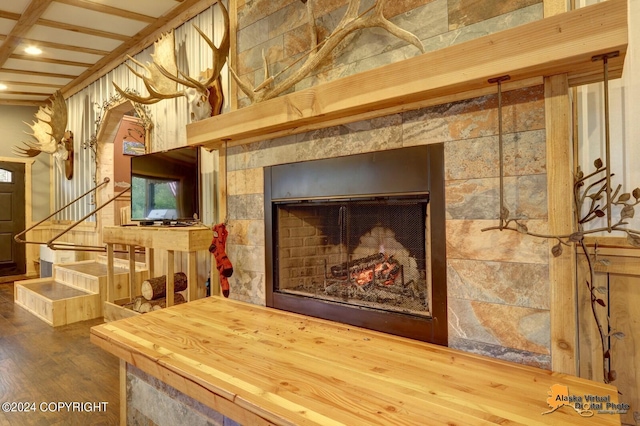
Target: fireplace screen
364,253
360,239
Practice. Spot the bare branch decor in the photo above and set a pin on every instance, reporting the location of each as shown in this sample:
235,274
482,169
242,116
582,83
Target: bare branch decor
318,51
593,197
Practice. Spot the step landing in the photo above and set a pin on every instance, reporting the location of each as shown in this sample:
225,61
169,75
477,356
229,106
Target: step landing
76,292
57,303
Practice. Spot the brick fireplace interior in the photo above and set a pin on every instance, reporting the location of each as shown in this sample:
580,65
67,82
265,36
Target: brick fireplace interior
356,239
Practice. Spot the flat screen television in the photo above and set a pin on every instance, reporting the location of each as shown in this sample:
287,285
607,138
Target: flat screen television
165,186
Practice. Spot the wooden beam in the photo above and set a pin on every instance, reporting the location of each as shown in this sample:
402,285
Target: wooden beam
69,47
22,102
562,269
30,84
82,30
25,21
10,15
560,44
186,10
13,92
37,73
50,60
98,7
233,53
554,7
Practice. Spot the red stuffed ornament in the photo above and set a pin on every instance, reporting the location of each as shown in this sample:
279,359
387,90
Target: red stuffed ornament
223,264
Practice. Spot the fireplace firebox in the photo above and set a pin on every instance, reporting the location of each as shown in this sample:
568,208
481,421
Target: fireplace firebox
360,240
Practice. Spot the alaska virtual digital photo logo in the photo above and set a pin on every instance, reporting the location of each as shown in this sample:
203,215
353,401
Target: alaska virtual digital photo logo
585,405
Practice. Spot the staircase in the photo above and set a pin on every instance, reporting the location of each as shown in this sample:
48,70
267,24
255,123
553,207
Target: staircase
76,292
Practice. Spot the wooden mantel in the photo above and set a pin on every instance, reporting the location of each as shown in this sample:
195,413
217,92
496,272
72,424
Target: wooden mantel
561,44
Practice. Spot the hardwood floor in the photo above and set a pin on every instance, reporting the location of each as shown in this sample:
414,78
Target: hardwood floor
45,366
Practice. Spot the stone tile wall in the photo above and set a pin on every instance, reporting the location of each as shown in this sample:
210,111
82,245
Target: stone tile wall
151,402
280,29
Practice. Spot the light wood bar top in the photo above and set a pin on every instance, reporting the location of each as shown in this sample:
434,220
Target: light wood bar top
258,365
178,238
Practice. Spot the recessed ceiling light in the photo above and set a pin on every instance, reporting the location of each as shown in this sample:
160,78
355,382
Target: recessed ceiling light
32,50
3,86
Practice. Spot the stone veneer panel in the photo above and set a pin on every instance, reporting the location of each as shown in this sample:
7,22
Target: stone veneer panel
280,28
506,283
151,402
466,12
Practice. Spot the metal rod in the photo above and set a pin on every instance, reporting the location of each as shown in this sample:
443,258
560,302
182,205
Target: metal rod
499,81
79,221
607,141
17,237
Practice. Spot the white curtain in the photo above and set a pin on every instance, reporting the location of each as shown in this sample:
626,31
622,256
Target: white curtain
624,121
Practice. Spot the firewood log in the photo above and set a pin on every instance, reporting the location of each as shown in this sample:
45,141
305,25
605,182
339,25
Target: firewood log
136,304
155,288
154,305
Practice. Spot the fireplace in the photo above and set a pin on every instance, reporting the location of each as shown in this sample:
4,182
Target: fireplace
360,240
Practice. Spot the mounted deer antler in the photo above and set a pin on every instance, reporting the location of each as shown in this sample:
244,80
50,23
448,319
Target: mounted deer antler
162,75
350,22
49,132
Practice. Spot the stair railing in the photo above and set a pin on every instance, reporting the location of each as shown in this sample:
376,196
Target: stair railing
52,244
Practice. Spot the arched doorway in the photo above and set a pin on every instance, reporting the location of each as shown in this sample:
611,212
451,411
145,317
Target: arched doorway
124,132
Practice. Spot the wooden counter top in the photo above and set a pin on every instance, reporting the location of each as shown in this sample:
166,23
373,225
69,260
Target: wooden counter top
178,238
263,366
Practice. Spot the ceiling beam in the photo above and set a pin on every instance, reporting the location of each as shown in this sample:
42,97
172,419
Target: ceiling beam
19,102
9,15
50,60
97,7
82,30
30,84
30,16
37,73
61,46
16,92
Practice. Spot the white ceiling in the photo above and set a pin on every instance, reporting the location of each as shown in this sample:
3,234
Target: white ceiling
79,40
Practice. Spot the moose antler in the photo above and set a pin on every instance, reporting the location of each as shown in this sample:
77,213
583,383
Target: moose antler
350,22
48,129
51,136
162,75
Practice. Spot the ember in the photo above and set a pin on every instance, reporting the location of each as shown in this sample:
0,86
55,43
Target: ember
376,269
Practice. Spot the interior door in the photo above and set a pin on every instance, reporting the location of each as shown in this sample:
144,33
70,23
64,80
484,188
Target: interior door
12,218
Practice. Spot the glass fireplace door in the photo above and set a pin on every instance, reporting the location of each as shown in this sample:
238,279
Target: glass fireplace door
365,253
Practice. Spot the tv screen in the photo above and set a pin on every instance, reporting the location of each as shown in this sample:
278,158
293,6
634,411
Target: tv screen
166,185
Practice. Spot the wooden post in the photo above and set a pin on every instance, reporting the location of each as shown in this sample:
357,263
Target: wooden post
214,279
192,276
553,7
110,275
150,260
133,291
562,269
170,284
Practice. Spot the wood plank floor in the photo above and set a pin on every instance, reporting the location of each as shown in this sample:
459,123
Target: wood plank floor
40,364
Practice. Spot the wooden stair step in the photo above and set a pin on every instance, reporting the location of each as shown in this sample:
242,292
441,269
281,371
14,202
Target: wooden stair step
91,268
57,303
56,291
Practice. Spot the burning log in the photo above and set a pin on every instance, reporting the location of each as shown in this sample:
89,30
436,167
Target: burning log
377,268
